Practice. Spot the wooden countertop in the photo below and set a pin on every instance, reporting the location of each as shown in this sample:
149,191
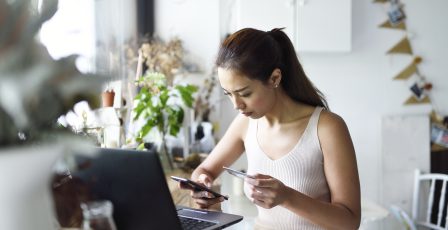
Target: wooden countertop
183,197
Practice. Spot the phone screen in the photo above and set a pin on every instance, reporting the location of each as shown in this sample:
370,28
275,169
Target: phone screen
198,187
236,173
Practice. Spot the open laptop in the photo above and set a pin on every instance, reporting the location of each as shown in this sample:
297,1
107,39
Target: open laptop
135,183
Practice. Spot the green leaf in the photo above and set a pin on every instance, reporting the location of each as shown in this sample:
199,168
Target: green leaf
175,119
164,96
138,110
145,130
141,146
186,93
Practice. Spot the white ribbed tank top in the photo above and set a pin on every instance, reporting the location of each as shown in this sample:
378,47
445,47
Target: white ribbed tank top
301,169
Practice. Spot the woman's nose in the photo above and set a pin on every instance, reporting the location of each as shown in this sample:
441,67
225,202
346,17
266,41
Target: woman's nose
238,103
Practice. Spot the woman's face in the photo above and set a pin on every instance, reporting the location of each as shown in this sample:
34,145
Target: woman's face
251,97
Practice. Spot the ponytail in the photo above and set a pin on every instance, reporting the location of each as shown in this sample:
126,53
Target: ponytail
294,81
256,54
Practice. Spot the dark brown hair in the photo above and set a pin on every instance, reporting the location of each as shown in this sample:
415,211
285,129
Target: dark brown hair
257,53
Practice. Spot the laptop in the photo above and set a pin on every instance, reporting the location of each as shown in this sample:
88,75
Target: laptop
135,183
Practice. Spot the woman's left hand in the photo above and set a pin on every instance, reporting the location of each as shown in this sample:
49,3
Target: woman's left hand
266,191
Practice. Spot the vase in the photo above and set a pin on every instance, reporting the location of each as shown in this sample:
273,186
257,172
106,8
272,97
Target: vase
25,194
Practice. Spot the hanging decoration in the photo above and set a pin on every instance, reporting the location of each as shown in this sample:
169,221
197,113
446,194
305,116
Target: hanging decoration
387,24
419,87
403,47
439,132
410,70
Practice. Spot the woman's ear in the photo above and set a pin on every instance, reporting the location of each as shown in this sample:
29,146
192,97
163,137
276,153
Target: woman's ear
276,77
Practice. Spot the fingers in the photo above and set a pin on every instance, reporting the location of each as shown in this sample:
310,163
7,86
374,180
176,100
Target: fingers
259,192
202,194
205,202
261,182
205,179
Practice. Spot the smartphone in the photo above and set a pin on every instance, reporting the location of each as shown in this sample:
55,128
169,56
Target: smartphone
237,173
198,187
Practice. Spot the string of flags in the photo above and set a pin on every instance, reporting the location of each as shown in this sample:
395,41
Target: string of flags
419,87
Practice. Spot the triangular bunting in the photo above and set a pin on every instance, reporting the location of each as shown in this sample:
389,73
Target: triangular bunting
413,100
435,118
406,73
387,24
403,47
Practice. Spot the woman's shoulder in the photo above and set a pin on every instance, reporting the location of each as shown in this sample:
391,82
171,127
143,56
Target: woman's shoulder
240,125
330,122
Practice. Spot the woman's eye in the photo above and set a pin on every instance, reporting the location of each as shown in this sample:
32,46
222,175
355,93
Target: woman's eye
227,93
245,95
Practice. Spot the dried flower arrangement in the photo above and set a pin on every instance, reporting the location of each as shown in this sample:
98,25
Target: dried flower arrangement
161,57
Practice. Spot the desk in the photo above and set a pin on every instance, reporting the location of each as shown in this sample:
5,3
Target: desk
371,212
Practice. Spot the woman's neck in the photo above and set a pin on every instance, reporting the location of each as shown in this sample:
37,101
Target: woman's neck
286,110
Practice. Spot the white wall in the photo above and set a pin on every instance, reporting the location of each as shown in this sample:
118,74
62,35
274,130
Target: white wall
359,84
195,22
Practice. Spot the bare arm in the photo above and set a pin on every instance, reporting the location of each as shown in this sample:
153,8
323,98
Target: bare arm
344,210
228,150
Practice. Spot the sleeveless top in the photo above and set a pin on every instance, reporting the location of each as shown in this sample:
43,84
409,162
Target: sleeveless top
301,169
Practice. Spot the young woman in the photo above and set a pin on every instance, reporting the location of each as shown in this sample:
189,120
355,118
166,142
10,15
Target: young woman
300,154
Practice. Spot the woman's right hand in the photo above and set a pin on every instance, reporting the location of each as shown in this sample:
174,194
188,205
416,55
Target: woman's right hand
203,198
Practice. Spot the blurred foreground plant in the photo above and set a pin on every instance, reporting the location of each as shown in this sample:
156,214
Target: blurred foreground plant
35,89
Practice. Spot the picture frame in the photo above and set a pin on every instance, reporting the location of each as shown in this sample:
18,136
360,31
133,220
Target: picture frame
439,135
396,14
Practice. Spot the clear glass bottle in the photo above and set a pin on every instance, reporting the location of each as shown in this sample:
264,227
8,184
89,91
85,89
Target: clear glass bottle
98,215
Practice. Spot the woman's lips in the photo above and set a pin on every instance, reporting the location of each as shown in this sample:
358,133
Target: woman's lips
246,113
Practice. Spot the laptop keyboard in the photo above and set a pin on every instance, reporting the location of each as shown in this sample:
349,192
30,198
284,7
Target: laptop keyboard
193,224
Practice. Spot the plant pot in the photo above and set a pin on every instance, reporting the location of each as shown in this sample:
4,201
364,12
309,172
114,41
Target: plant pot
108,98
25,194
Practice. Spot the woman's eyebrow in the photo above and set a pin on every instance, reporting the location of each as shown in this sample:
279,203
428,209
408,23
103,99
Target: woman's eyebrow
237,90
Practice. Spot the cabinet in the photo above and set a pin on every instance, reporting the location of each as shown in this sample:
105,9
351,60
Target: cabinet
312,25
405,147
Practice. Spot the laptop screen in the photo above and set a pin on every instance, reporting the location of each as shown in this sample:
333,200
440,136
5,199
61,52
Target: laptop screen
135,184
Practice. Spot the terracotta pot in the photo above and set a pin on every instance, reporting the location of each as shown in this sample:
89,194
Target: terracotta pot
108,98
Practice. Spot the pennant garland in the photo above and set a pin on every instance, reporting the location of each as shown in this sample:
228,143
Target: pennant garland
396,20
403,47
421,88
399,26
413,100
411,69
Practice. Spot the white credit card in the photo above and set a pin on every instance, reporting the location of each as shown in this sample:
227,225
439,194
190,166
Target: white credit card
237,173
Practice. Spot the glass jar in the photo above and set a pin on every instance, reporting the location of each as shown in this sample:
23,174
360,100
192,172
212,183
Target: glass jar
98,215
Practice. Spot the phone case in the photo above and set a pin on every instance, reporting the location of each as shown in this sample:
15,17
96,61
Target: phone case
198,187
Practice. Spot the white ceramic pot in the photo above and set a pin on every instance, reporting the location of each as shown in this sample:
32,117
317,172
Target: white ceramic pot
25,195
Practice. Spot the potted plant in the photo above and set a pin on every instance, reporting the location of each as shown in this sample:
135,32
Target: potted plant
161,107
34,91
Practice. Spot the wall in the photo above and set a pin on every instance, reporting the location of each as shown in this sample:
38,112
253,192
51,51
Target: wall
359,84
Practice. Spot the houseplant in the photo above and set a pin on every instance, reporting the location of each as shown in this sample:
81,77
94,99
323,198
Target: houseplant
161,108
34,91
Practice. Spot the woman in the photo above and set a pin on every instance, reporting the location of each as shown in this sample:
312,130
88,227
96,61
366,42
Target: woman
300,154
